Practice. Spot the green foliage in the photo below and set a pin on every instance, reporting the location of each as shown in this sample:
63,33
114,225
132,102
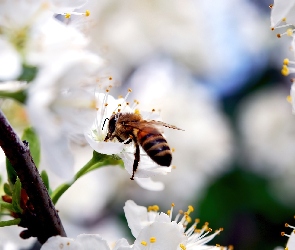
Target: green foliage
28,74
45,179
16,196
7,189
30,136
10,222
11,174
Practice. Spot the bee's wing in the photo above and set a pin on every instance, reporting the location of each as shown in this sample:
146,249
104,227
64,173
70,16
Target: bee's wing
163,124
151,123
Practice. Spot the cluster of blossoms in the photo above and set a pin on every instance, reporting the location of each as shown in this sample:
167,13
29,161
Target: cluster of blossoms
151,229
282,16
48,60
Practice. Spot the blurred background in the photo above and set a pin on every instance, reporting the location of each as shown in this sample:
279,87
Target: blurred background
211,68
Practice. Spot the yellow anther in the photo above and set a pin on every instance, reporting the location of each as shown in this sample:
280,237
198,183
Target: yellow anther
188,219
119,105
127,103
217,245
67,15
172,204
284,19
278,35
120,96
221,229
190,209
156,207
152,239
183,247
168,212
289,32
282,233
286,248
286,61
144,243
173,150
209,229
153,110
197,230
230,247
197,220
180,211
286,225
285,70
87,13
173,167
119,110
136,111
107,90
106,104
270,6
129,90
110,78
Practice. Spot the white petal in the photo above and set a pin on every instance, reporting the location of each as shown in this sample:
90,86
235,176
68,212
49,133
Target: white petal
137,217
168,236
92,242
60,243
149,184
122,244
103,147
291,242
282,9
61,7
10,62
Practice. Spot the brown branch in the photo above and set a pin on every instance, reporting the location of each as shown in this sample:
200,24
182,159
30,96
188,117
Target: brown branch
43,220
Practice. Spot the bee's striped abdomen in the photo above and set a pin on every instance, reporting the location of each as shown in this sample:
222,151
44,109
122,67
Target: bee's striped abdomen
156,146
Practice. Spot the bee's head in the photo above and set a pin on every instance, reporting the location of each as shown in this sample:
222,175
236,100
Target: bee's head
112,125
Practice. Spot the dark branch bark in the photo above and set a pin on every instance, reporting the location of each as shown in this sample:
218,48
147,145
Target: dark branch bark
44,221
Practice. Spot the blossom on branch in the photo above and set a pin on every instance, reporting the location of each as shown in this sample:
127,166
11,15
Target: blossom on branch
154,230
107,105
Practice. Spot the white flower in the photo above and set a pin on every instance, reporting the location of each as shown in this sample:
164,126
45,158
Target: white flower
95,137
154,230
282,11
59,105
23,32
291,240
82,242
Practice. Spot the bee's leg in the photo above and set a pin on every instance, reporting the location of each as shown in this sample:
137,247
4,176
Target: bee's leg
119,139
128,141
136,159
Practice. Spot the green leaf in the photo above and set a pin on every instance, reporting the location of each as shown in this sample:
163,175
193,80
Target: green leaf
7,189
10,222
34,144
11,174
45,179
6,205
16,196
20,95
28,73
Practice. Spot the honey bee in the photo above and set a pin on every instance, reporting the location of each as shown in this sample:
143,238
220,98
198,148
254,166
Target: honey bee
128,127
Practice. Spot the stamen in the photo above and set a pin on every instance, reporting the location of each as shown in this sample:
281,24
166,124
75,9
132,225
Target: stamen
180,212
144,243
270,6
152,239
182,247
171,211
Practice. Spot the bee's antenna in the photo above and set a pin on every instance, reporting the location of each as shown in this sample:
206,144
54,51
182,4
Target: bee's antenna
104,122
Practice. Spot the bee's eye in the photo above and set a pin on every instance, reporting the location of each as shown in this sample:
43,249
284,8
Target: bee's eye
112,124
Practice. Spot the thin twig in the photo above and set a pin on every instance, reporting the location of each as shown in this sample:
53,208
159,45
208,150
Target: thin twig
47,222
